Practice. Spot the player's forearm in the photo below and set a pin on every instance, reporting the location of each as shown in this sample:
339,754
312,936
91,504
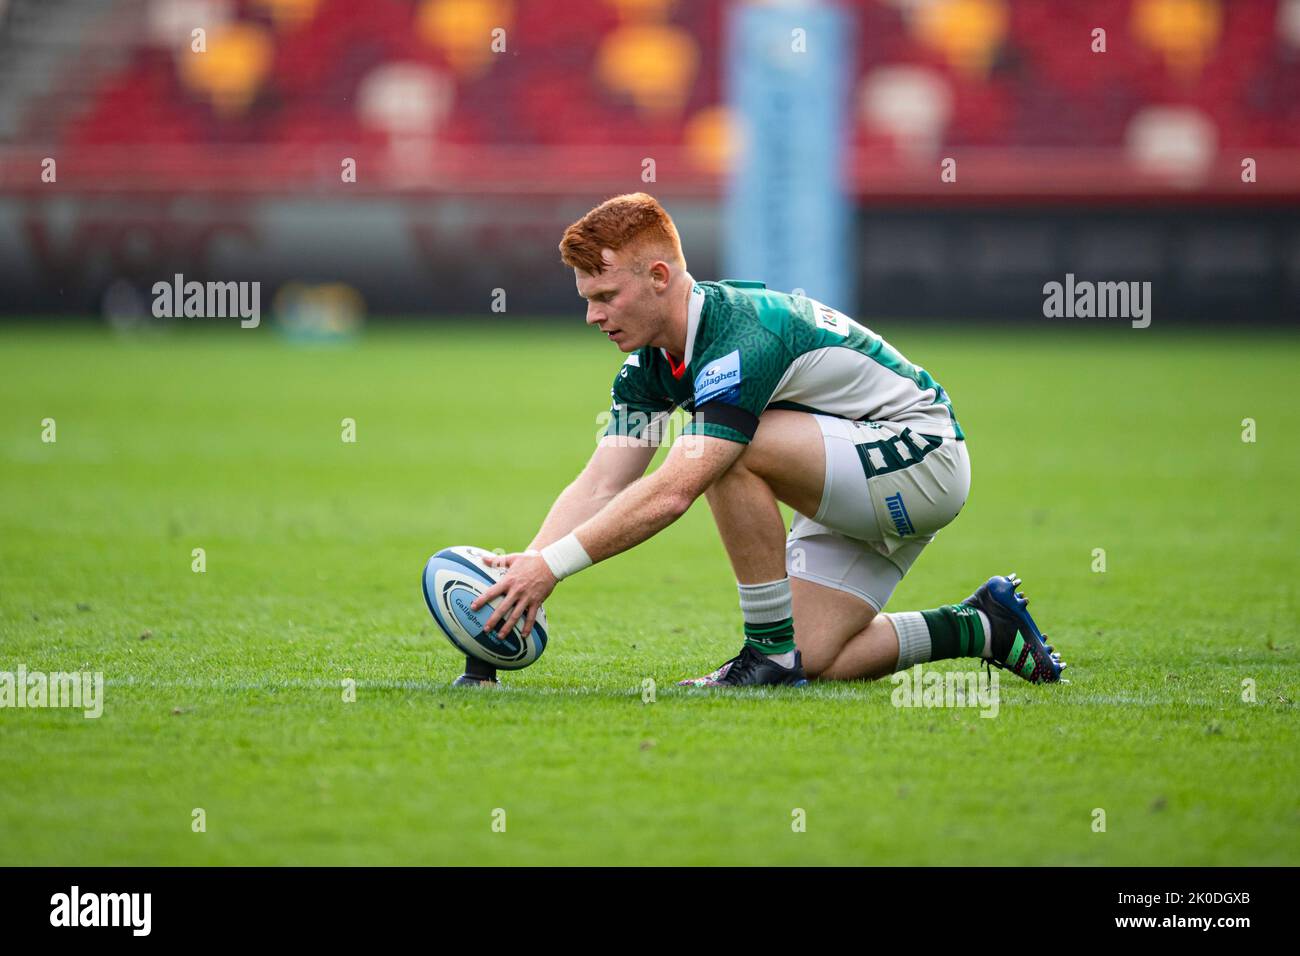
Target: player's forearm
576,504
636,514
645,507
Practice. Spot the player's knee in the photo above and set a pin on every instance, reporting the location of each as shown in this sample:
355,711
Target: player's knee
782,436
752,461
757,454
737,474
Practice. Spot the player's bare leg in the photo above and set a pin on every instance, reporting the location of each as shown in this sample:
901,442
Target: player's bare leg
832,650
1006,635
787,460
744,505
871,653
840,636
744,500
749,523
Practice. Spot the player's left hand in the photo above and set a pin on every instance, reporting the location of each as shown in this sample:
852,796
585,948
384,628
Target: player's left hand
525,586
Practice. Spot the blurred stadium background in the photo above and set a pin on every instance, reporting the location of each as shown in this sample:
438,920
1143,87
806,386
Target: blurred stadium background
479,128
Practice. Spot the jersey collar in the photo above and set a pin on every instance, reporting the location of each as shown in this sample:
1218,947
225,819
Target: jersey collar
694,308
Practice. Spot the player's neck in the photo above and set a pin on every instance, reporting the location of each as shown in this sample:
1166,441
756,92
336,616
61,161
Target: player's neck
679,318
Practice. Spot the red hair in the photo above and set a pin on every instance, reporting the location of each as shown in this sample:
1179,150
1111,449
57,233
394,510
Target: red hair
634,221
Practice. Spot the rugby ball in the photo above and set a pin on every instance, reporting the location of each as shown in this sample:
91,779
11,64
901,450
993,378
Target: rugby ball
453,579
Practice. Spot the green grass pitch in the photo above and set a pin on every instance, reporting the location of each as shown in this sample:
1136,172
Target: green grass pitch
230,441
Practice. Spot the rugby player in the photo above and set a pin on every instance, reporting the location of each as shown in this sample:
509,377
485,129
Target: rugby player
789,400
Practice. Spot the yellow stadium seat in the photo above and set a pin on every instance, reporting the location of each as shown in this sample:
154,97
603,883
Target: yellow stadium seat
463,30
288,13
232,70
643,9
967,32
711,139
1182,31
653,64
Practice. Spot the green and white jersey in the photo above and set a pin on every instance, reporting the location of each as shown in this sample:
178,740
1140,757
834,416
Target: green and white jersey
749,349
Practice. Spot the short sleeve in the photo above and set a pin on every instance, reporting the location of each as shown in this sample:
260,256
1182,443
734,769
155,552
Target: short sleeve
636,411
732,389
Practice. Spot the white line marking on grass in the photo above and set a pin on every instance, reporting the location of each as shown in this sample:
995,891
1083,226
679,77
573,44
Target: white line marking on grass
857,691
865,692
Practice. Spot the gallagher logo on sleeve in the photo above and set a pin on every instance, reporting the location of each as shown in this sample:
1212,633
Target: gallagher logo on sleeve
720,380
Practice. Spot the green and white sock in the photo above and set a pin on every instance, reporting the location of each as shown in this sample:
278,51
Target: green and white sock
954,630
769,619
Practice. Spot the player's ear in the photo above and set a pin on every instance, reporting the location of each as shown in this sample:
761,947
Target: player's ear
660,274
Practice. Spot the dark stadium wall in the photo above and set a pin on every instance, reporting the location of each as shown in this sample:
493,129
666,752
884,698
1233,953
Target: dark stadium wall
1204,263
449,256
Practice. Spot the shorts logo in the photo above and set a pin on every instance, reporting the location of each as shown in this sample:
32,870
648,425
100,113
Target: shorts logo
720,380
898,512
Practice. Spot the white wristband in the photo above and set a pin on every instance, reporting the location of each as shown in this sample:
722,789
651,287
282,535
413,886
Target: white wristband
566,556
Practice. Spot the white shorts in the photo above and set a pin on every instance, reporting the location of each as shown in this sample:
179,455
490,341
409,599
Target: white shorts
888,491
